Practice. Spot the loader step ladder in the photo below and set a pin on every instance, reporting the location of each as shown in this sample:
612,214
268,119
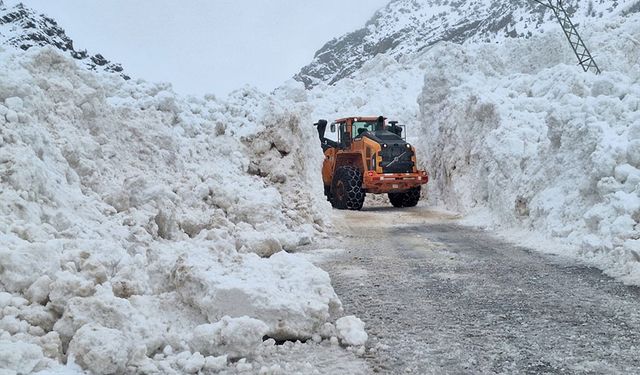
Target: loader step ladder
577,44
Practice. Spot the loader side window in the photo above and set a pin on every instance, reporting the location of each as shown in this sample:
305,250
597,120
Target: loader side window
332,135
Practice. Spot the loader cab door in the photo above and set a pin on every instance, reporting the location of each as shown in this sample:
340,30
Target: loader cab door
344,134
334,133
331,154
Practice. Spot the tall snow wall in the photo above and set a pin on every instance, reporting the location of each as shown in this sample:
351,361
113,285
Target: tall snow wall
513,132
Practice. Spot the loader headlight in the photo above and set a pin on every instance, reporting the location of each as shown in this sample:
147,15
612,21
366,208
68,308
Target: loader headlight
408,146
384,145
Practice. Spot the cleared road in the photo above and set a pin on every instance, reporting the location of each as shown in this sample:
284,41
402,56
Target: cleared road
438,298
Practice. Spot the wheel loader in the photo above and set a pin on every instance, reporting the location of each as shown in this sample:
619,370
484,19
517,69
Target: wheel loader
369,155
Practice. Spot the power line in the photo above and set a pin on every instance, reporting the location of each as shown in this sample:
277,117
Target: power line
577,44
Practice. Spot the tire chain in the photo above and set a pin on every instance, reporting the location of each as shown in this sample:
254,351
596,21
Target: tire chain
352,180
409,198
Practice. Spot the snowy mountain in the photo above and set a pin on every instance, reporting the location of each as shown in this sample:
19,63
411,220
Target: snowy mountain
405,27
23,28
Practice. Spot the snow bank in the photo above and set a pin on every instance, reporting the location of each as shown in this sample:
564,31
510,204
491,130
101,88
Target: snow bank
511,131
137,228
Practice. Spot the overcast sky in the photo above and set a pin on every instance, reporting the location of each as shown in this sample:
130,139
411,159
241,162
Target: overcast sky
208,46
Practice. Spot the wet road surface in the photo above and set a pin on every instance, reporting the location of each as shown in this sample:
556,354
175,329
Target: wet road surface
441,298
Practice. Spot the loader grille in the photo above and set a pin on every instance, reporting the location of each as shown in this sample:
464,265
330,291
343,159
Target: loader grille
396,158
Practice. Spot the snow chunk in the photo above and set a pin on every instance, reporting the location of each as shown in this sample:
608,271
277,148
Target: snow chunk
293,297
12,116
351,331
633,153
292,90
104,309
5,299
18,265
234,337
38,292
100,350
194,364
19,357
14,103
215,363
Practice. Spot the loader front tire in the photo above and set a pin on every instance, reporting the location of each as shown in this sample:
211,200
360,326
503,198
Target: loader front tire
327,192
346,189
408,198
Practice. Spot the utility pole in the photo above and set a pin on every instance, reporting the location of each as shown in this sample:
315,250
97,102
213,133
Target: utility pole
577,44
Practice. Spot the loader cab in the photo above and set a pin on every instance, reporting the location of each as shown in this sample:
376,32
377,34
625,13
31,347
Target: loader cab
358,127
353,128
343,132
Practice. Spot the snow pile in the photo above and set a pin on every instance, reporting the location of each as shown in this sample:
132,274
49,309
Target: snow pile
509,132
136,226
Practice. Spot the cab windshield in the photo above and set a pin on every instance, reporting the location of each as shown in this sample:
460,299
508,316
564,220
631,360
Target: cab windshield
360,127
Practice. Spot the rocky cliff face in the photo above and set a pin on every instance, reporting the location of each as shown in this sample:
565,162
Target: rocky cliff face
24,28
405,27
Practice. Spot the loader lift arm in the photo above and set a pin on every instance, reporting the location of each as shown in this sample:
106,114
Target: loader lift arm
577,44
325,142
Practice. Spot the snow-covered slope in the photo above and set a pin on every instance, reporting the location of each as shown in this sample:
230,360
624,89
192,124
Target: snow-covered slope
406,27
24,28
135,225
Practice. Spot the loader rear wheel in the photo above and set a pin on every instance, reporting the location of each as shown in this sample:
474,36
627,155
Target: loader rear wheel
408,198
346,189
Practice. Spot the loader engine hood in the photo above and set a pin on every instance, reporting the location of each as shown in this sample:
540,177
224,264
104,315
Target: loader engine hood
397,154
